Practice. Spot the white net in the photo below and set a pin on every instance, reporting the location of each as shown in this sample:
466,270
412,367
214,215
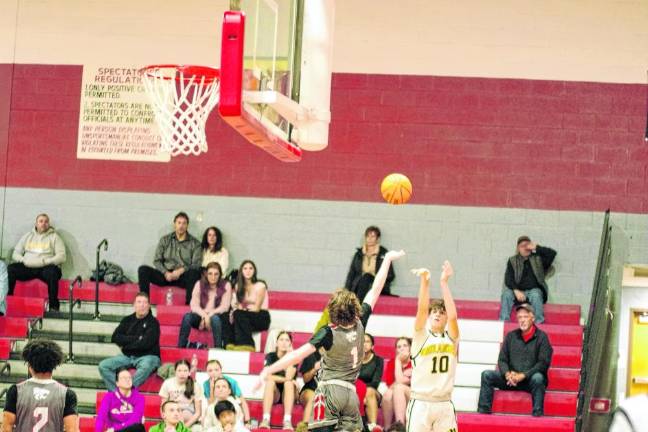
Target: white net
183,97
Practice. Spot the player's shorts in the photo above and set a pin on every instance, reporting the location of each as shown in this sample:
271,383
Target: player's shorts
336,407
425,416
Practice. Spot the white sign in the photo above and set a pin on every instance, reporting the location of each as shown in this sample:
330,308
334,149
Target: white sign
116,120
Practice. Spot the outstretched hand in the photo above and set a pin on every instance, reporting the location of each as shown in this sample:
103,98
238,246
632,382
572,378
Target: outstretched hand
422,272
446,271
393,255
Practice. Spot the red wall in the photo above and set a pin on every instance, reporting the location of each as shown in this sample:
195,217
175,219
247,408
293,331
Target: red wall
462,141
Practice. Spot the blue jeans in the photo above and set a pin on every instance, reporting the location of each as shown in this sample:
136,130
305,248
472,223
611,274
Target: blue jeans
191,319
145,366
491,379
534,296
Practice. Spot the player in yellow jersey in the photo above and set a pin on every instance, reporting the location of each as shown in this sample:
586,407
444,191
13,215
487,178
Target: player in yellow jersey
434,358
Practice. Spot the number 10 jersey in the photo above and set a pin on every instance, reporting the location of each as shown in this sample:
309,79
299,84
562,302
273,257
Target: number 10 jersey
434,360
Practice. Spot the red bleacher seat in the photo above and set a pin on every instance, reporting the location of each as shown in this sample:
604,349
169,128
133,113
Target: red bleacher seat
13,327
567,357
5,349
172,355
123,293
33,288
87,424
564,379
467,309
151,385
25,307
473,422
171,315
557,404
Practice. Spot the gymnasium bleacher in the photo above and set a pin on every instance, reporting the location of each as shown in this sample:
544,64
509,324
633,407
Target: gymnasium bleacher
481,335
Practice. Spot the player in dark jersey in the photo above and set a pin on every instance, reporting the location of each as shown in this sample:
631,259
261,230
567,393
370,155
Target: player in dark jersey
336,405
41,404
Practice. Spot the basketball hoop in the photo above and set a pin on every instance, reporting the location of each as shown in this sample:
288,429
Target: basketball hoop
183,97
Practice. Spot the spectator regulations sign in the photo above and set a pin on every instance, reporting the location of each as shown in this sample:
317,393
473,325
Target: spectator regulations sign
116,120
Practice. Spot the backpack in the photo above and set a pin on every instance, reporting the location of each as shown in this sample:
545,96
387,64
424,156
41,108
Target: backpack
111,273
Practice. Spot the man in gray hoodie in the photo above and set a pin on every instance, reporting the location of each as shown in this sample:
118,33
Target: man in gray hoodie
39,255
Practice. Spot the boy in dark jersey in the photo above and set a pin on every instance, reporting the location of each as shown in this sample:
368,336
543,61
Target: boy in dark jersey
41,404
336,405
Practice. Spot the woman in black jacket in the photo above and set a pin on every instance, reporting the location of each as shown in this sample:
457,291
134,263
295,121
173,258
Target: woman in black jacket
365,264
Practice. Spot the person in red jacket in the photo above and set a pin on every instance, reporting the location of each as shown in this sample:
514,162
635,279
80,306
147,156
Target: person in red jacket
398,376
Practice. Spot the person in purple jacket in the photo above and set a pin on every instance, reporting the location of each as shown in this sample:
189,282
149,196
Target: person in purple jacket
122,409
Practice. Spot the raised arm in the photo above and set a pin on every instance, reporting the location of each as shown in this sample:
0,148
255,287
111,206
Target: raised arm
451,310
379,281
291,358
423,299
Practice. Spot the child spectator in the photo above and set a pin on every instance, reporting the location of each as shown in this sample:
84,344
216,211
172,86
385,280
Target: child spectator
281,385
171,418
122,409
308,370
222,392
224,411
215,371
371,374
181,389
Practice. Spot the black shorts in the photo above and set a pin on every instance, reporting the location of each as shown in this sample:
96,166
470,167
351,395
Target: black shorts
311,385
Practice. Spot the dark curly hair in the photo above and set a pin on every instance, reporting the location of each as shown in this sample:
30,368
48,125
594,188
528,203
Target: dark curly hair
43,356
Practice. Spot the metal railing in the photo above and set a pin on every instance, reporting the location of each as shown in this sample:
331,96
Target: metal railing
598,320
104,243
76,281
5,369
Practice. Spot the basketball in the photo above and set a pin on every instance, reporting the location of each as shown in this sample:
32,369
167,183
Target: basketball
396,188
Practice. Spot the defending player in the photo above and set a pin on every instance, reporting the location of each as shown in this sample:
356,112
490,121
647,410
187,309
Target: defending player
434,358
41,404
336,405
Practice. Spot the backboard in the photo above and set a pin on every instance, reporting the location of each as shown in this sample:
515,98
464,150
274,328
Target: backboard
278,53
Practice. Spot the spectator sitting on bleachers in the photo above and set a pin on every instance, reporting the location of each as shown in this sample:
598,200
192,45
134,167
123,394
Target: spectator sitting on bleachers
171,418
308,370
525,278
371,374
523,363
280,386
177,261
365,263
121,410
249,310
222,392
213,249
138,336
225,413
215,371
211,298
4,288
39,255
398,378
182,389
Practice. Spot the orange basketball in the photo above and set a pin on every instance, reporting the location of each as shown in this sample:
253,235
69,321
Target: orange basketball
396,188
